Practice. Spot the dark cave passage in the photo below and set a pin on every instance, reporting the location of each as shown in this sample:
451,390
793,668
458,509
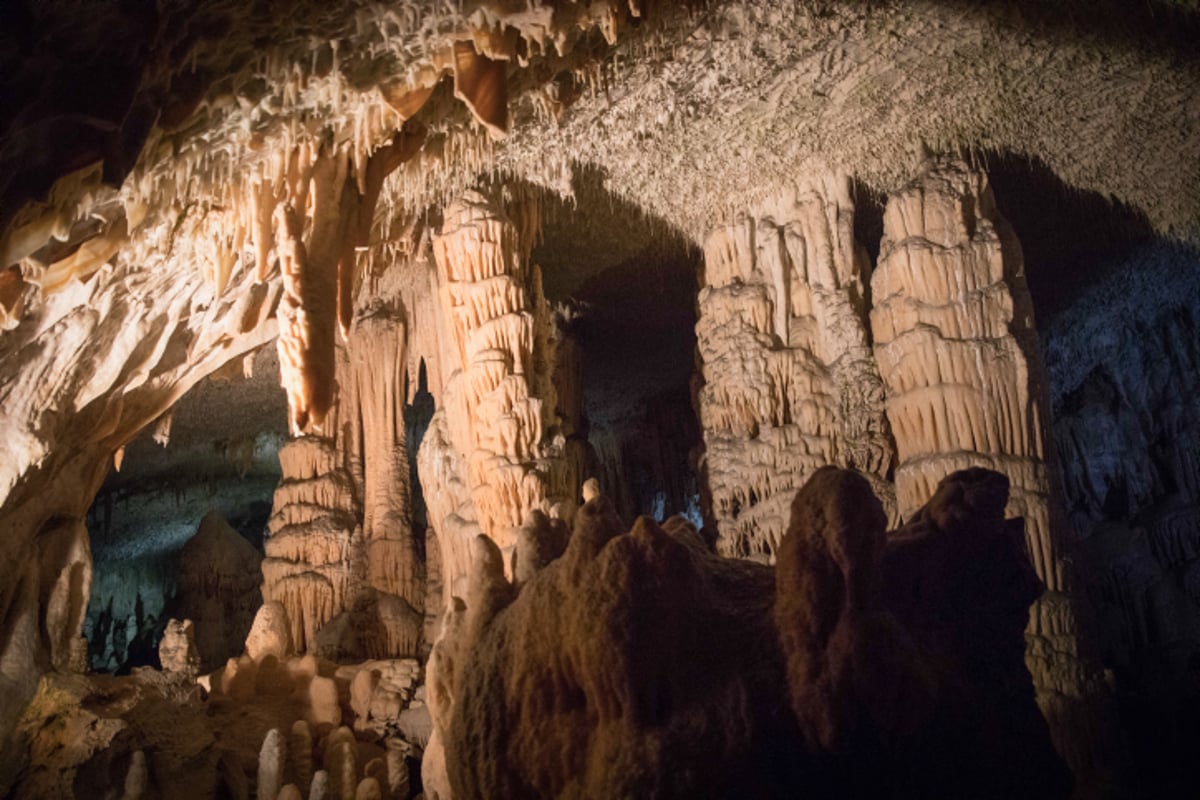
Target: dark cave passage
217,464
626,284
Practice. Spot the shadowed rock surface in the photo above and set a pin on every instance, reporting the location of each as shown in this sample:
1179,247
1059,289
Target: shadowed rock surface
641,665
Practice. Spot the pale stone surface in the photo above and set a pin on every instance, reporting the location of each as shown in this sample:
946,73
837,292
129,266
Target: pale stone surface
789,381
271,761
270,634
323,705
495,452
310,537
177,652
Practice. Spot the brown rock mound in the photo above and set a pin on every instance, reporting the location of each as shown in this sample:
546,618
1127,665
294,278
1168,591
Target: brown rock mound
641,665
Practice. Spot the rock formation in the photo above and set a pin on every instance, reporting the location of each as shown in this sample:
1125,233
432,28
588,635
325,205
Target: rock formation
497,449
789,383
311,537
663,667
954,337
177,651
218,589
185,183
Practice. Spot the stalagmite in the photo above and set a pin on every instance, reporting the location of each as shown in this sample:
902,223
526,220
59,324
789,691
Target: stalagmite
372,435
300,748
177,651
136,778
66,581
218,588
312,535
368,789
271,761
320,787
789,383
270,633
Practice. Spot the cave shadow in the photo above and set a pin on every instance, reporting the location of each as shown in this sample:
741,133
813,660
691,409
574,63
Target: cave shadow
627,283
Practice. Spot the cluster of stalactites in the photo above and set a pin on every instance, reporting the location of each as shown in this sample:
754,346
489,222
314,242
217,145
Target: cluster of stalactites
242,179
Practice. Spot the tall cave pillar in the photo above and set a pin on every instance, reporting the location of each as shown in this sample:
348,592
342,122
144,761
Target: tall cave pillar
498,447
957,348
789,381
956,345
341,553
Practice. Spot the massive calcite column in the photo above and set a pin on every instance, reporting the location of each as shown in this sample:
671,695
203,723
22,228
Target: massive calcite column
313,538
956,346
958,351
496,450
372,439
789,381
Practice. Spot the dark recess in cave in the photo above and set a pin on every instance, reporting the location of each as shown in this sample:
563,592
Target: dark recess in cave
1072,240
629,281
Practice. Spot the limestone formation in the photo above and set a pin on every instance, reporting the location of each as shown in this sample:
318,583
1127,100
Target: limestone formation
496,451
135,779
177,652
66,579
955,340
270,633
271,761
312,534
660,683
953,328
300,750
218,588
789,382
363,186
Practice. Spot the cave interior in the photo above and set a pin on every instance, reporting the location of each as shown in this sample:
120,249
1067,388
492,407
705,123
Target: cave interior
608,399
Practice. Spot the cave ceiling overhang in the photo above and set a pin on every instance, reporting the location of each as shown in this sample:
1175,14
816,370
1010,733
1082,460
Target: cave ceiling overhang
146,149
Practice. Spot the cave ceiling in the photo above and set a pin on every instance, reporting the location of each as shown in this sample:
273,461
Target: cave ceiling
146,147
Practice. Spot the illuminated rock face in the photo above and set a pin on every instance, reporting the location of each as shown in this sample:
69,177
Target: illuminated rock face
663,668
956,345
790,384
496,451
935,369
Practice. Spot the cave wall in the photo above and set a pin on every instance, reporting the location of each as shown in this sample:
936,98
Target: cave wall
1122,365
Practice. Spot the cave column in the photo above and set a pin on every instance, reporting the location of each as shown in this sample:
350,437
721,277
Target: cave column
789,381
956,345
496,450
957,348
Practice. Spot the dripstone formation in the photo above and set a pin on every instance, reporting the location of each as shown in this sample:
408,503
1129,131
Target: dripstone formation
935,543
865,664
